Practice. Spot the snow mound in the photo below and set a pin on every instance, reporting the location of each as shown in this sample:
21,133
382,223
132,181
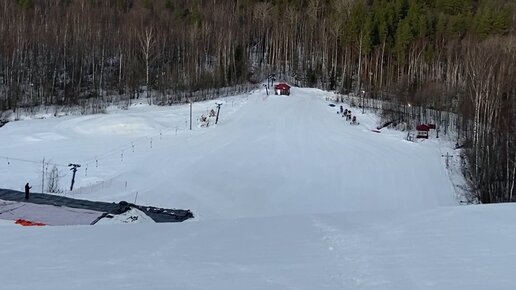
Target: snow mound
131,216
109,125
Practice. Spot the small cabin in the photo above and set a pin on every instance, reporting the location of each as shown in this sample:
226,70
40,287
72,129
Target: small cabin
282,89
422,131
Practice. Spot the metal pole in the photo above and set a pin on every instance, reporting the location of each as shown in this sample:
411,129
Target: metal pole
447,156
218,111
73,178
359,87
363,103
43,176
74,170
190,115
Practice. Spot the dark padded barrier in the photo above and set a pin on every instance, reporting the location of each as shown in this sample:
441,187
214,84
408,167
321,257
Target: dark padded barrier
159,215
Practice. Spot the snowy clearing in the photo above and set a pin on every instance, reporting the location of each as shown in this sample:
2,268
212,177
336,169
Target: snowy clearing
286,194
274,156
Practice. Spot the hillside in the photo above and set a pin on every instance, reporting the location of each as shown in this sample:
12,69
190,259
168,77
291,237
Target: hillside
273,156
286,194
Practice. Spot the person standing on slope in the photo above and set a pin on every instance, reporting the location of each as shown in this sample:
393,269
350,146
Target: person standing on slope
27,190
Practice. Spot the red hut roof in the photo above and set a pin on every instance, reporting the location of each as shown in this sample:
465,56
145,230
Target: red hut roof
282,86
423,127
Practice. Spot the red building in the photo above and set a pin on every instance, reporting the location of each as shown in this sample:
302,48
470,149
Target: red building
422,131
282,89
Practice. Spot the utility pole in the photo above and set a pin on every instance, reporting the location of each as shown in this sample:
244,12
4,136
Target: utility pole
270,80
190,114
448,156
31,89
218,111
359,86
74,170
43,176
363,102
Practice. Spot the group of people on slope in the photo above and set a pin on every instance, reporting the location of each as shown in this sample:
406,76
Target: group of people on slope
347,114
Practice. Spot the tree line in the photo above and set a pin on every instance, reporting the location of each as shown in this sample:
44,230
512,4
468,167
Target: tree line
446,55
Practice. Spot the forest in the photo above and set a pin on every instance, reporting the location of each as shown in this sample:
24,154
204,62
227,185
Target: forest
446,55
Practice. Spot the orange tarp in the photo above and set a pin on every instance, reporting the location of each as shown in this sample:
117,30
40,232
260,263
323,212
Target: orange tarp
27,223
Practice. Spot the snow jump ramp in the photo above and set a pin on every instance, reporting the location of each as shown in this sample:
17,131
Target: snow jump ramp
12,202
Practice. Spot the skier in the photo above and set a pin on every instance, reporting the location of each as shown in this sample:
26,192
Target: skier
341,109
27,190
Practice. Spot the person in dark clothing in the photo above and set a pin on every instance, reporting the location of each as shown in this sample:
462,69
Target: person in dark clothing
27,190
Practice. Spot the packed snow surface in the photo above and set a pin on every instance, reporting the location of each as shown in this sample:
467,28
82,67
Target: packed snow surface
286,194
276,155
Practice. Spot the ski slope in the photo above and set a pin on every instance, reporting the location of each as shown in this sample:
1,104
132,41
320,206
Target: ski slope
443,248
287,195
273,156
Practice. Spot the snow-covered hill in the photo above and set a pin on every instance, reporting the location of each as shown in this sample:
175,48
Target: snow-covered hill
274,156
443,248
286,193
